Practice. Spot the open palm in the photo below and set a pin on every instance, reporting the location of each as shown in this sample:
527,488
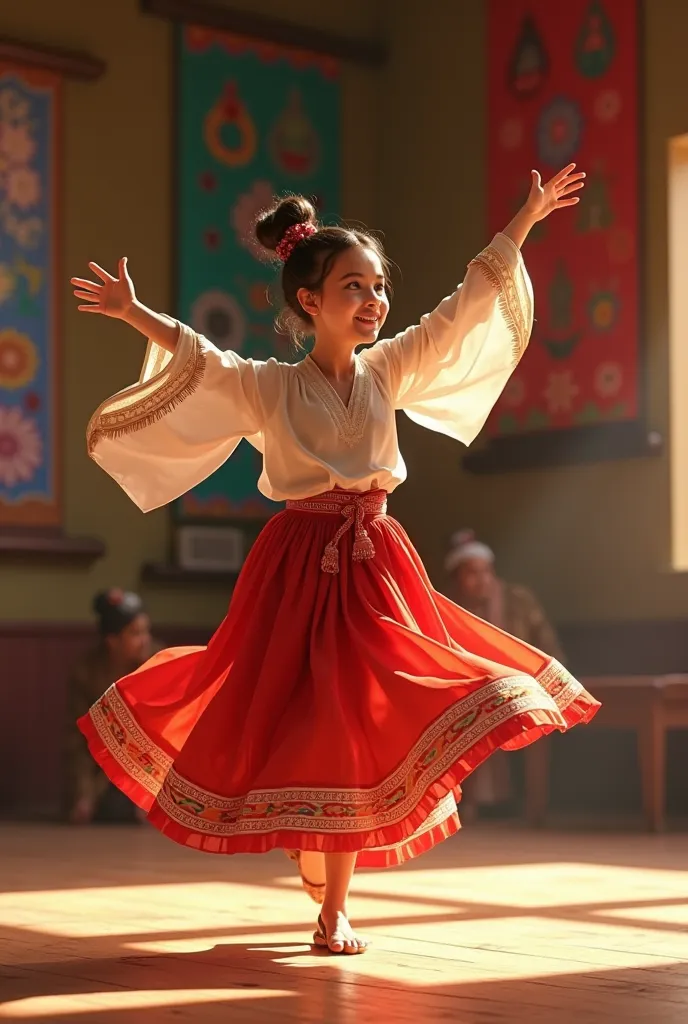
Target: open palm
555,194
114,296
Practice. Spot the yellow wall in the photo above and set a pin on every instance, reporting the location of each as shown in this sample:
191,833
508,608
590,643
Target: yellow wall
593,540
118,202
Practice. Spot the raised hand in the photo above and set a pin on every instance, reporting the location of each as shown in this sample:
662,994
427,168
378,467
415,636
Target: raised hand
115,296
555,194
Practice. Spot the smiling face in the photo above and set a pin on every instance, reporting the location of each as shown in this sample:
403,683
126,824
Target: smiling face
352,305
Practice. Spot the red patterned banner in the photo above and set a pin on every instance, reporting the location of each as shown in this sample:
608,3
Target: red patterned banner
563,86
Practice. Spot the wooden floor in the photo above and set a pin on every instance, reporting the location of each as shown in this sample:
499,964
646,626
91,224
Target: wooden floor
497,925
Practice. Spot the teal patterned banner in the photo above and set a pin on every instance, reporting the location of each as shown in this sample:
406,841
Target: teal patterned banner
254,120
29,428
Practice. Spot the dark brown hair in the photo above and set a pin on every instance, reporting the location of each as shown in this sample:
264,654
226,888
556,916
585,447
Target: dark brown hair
116,609
311,259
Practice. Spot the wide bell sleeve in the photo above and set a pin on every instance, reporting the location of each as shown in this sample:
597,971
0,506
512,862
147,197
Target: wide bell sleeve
447,372
182,420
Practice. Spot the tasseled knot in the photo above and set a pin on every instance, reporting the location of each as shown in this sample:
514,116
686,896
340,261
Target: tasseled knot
363,547
330,559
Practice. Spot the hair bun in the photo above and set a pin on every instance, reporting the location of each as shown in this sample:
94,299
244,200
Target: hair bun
273,223
116,608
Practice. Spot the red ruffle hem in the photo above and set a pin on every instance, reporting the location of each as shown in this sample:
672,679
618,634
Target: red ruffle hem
339,705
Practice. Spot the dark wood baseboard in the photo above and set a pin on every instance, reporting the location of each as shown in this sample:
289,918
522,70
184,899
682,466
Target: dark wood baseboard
37,659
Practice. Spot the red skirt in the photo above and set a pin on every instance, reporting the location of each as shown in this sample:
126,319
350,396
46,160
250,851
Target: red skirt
339,705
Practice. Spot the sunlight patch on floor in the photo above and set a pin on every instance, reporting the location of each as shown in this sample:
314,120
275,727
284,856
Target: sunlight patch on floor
527,885
48,1007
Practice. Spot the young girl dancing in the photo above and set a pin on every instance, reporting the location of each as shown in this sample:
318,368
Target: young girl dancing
342,701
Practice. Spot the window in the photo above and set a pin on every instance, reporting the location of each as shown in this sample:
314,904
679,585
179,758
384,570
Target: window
678,346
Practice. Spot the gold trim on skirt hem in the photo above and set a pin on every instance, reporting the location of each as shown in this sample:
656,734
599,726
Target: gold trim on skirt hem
458,730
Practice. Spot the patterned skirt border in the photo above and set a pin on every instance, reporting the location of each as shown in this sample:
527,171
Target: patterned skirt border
403,816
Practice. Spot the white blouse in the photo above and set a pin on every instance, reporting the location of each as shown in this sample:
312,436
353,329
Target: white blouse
189,410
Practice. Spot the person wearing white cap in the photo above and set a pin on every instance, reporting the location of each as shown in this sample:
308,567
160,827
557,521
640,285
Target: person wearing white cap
475,585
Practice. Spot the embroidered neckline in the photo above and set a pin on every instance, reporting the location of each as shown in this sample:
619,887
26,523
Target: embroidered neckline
350,418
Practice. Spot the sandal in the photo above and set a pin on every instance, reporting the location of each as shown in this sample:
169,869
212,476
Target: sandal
321,940
316,890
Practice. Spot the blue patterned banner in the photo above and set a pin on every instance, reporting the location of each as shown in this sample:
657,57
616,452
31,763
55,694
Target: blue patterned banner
29,435
254,120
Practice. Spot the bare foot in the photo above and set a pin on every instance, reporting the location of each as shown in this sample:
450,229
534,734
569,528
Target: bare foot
339,936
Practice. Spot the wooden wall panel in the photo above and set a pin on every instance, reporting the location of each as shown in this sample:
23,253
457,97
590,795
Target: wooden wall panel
35,662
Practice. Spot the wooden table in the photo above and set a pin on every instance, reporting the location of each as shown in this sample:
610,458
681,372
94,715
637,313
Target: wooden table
651,705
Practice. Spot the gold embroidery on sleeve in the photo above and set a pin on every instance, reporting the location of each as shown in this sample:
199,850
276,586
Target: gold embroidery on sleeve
143,404
514,301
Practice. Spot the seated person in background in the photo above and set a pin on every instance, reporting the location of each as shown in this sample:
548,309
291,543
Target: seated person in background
476,586
124,643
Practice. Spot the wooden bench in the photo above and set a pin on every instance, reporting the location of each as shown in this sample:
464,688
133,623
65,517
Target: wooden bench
650,705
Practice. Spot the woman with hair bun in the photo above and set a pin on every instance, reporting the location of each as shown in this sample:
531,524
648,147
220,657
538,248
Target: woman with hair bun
124,643
342,701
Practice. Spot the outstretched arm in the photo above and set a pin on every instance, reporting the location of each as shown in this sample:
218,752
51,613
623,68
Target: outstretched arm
116,297
448,371
543,200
